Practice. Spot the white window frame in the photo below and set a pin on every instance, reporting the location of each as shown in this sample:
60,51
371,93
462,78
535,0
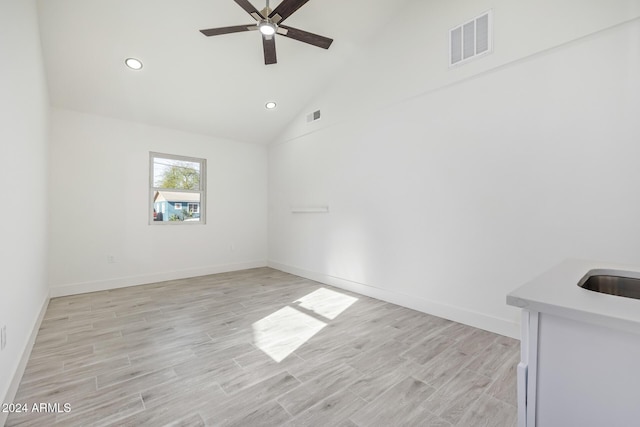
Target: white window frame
177,205
197,205
202,190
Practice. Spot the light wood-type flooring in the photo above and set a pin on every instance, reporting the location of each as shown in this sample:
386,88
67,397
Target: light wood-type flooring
261,348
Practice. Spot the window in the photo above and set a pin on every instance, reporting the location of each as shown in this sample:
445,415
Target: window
176,189
193,207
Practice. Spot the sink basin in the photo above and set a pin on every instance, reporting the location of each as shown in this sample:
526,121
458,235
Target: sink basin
612,283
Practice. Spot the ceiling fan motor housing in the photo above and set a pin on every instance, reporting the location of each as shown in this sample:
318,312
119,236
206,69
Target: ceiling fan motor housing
266,11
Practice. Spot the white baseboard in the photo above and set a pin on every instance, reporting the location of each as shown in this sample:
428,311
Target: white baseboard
22,365
124,282
479,320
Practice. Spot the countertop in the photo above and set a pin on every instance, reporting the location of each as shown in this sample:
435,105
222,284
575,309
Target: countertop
557,292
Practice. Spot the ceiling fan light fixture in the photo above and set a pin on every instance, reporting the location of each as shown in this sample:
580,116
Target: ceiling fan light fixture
270,105
267,28
133,63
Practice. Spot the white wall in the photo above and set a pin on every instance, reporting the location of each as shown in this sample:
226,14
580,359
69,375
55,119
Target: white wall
99,206
24,121
449,188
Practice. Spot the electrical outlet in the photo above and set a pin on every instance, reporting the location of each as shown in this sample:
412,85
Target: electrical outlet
3,337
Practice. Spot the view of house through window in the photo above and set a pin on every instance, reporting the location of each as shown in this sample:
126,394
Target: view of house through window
177,189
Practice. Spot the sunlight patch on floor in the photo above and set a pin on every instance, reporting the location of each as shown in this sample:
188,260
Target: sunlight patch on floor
281,333
284,331
326,303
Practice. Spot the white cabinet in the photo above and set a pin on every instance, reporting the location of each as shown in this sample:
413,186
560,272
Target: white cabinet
580,352
578,374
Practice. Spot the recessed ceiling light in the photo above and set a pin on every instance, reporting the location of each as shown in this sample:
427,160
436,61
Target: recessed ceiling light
133,63
270,105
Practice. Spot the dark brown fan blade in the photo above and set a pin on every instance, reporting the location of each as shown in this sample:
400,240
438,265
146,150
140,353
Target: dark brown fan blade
228,30
285,9
306,37
249,8
269,47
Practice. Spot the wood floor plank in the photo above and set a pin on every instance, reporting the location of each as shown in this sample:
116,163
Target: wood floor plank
261,347
370,386
164,359
37,371
422,328
194,420
453,399
319,388
234,384
244,403
165,417
88,402
388,354
64,326
30,419
183,394
443,367
268,415
317,366
490,360
477,341
103,415
61,354
202,366
489,412
134,374
504,387
428,348
321,345
332,411
398,406
258,358
59,387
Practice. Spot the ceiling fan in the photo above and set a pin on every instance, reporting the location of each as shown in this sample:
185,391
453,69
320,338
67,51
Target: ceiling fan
269,24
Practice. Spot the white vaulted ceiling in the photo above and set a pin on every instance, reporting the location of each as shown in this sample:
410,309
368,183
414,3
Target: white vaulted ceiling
210,85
